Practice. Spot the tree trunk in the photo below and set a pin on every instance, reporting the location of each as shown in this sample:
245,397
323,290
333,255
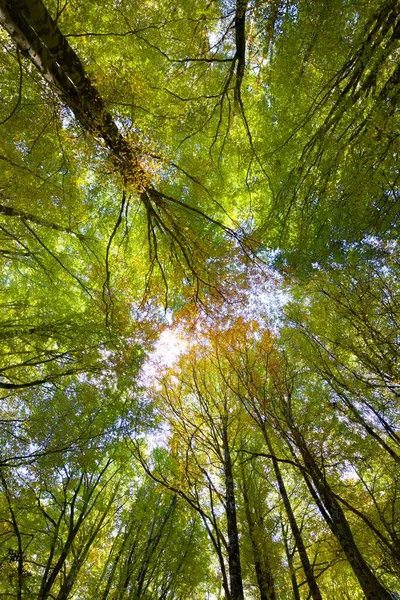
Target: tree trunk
308,570
338,524
289,557
31,26
235,569
265,580
360,419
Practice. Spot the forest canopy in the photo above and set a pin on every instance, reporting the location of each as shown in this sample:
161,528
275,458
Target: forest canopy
199,325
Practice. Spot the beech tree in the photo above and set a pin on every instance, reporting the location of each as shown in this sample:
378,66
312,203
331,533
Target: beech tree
224,176
204,427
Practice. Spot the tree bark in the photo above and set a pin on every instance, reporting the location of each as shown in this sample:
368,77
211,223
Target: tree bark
37,35
338,524
235,569
265,580
240,41
308,570
289,557
360,419
23,216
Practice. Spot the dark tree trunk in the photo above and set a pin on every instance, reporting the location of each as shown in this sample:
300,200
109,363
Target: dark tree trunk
265,580
338,524
235,569
240,41
289,557
31,26
308,570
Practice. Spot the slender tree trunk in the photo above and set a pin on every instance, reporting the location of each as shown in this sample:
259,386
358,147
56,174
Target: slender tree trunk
289,557
360,419
265,580
17,533
338,524
79,560
235,569
308,570
216,542
113,570
152,544
48,584
9,211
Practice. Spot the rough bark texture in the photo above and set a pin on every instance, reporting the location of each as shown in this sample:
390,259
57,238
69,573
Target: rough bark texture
240,41
38,37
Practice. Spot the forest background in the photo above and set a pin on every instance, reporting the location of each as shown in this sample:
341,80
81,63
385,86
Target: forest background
222,178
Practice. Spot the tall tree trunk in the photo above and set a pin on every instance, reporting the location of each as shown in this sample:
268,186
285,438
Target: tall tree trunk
265,580
216,542
17,533
31,26
338,524
235,569
289,557
369,428
153,541
308,570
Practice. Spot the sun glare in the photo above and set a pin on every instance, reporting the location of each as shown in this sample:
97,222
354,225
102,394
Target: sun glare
169,347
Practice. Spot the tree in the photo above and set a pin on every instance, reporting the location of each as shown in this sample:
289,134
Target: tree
230,168
204,422
54,527
154,551
254,493
268,390
354,349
